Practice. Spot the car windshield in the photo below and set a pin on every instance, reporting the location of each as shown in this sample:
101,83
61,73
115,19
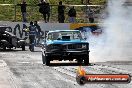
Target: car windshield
71,35
6,29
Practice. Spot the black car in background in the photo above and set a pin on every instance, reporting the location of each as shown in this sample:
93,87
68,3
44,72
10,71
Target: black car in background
9,40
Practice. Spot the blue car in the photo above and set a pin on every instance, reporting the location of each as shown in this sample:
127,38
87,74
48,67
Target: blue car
65,45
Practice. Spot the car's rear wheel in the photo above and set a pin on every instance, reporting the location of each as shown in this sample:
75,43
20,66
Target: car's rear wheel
3,44
23,47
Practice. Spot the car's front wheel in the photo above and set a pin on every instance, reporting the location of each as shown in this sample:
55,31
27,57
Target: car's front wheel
79,61
86,60
45,60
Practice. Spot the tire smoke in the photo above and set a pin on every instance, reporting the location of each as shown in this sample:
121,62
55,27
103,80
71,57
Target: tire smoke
115,44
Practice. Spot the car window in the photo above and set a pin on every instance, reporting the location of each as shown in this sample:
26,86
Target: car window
76,36
8,29
58,35
49,36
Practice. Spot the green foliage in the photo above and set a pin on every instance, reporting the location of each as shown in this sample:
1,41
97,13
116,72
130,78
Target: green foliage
18,1
8,12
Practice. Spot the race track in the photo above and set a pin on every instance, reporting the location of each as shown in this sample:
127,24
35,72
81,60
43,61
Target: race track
24,69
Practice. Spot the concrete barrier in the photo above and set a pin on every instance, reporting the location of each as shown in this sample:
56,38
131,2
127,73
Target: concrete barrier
17,27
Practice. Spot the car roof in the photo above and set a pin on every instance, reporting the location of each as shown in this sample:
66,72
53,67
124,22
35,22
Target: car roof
63,31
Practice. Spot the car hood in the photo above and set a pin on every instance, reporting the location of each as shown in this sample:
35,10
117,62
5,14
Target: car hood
65,42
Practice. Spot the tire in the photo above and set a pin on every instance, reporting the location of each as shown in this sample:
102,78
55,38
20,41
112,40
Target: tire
3,44
45,60
23,47
79,61
86,60
4,48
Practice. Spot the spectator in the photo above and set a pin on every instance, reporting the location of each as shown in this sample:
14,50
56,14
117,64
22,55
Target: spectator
45,10
87,2
23,10
72,15
61,16
90,15
48,12
38,31
82,1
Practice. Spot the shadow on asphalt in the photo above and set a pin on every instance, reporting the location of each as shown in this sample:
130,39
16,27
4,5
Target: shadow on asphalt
68,64
37,51
10,50
14,50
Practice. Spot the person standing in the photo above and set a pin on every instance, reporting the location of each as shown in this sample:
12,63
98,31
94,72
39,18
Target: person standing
44,9
90,15
72,15
23,10
82,1
48,11
38,31
61,16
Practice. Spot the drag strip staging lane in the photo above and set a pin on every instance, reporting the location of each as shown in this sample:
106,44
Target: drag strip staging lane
29,72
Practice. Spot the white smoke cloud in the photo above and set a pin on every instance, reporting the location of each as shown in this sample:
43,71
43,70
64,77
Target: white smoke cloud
116,42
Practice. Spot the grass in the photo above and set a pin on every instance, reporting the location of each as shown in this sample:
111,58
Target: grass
7,12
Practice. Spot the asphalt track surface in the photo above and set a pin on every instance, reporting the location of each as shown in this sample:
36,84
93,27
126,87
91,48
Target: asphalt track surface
24,69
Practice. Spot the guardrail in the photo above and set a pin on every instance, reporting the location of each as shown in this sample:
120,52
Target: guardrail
11,12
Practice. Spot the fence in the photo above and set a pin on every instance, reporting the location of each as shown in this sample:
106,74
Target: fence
12,12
